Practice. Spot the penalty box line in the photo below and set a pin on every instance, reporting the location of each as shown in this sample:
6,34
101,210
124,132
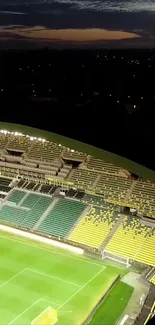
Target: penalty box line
32,305
13,277
82,287
41,273
59,306
53,277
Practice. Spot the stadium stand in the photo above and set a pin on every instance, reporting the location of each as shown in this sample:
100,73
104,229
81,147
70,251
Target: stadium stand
146,254
114,188
30,185
60,192
45,188
143,195
69,154
94,227
112,184
62,217
4,139
132,235
37,205
82,177
79,195
71,193
102,166
44,151
137,241
18,143
16,196
14,215
4,185
94,199
30,200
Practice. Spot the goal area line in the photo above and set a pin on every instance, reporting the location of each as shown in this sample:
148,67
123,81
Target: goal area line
47,316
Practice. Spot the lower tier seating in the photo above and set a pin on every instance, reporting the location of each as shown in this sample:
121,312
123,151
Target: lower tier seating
30,200
13,215
146,254
16,196
94,227
134,240
62,217
40,204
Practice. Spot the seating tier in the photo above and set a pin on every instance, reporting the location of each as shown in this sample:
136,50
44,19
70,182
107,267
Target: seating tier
38,205
16,196
62,217
94,227
146,254
13,215
129,238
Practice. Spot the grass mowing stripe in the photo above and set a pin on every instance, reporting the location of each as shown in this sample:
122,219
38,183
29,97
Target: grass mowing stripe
24,311
50,302
74,294
51,250
13,277
115,301
53,277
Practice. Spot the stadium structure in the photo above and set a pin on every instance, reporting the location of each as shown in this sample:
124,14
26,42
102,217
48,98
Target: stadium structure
77,233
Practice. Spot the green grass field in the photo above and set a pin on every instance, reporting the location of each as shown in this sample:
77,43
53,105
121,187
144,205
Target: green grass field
34,276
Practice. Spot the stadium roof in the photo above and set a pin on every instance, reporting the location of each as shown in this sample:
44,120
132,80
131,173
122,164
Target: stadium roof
122,162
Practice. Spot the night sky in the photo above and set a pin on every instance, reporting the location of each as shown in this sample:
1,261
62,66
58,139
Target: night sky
77,23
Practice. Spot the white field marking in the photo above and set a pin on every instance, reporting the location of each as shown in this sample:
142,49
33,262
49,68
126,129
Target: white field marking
74,294
53,277
51,250
50,302
13,277
24,311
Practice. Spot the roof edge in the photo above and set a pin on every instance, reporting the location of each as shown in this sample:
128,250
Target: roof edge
117,160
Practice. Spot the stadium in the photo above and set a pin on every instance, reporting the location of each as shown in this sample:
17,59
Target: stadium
77,233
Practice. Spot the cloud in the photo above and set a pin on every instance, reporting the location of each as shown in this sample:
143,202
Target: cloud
96,5
111,5
5,12
71,35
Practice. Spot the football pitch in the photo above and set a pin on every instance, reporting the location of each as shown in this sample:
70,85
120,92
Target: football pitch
34,276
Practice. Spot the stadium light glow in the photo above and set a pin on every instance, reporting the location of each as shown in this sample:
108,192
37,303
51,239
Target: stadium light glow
42,239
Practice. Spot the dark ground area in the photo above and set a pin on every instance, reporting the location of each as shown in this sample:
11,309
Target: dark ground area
105,97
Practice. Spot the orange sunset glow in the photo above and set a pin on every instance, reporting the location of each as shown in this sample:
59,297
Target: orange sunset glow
75,35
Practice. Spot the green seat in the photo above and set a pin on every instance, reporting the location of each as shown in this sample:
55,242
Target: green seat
62,217
13,215
38,205
16,196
